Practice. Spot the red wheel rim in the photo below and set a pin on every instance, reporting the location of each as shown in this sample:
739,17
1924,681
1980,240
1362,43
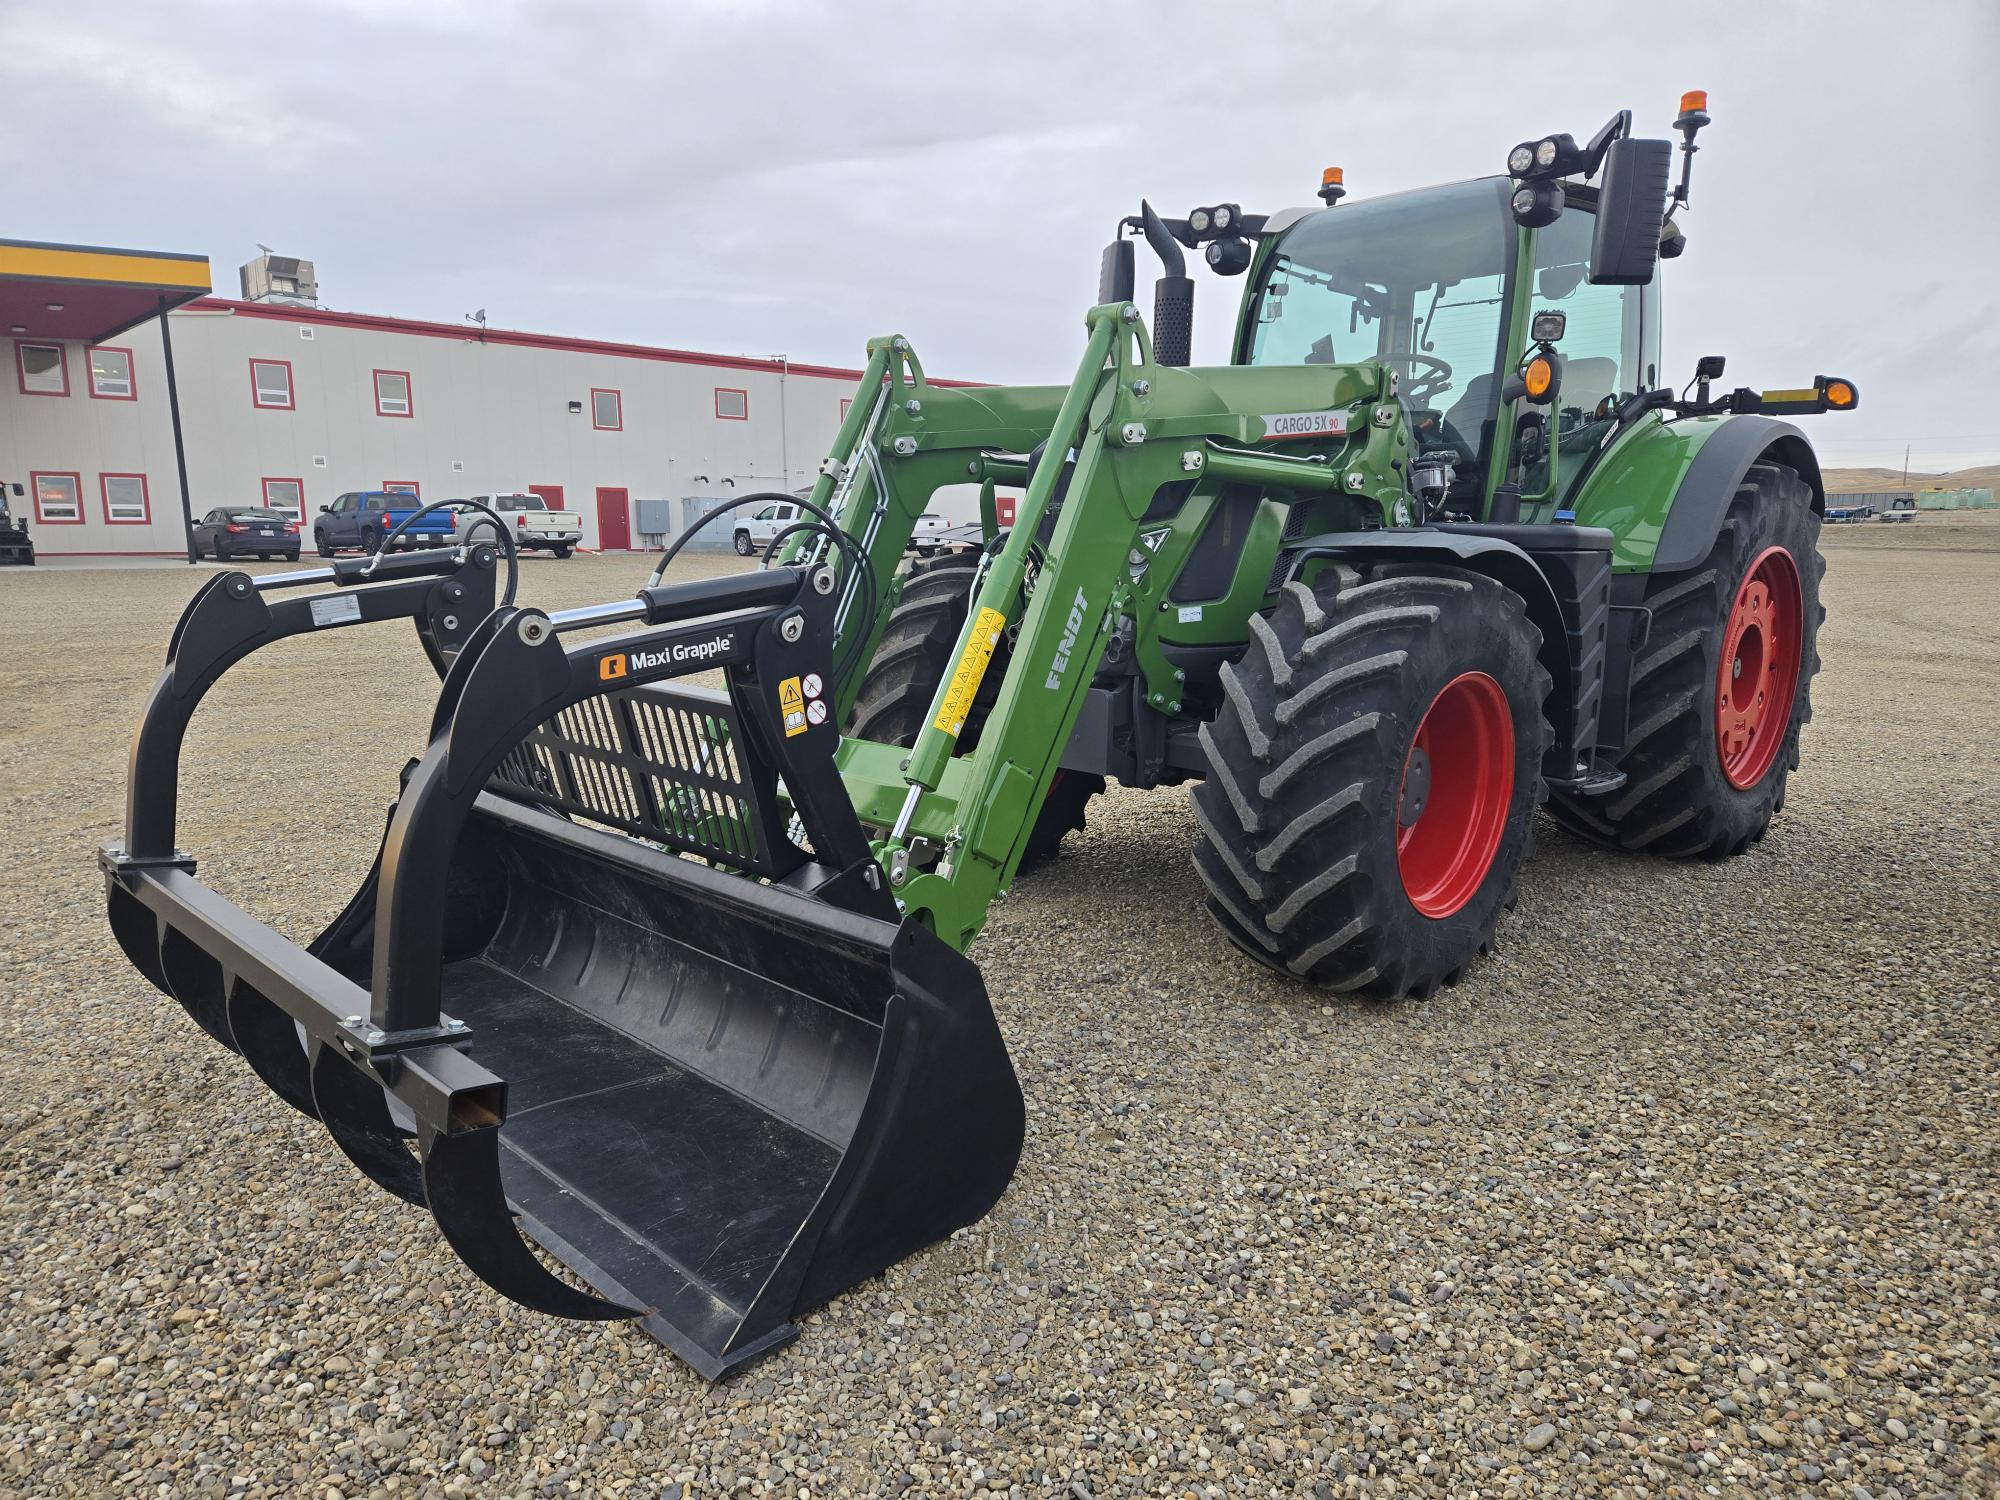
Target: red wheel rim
1758,675
1451,804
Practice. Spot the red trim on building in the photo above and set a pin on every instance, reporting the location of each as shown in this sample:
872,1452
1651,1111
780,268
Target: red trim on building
35,478
21,365
131,372
619,397
741,416
145,500
409,394
402,487
264,489
462,334
845,403
291,401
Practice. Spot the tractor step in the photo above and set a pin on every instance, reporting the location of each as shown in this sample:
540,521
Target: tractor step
1599,781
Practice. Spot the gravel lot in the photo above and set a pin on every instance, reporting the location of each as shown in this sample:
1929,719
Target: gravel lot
1690,1190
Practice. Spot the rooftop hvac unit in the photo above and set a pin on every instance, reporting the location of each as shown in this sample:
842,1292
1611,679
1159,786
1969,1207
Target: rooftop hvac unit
280,278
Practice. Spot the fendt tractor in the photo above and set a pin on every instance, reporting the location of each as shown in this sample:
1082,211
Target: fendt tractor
672,979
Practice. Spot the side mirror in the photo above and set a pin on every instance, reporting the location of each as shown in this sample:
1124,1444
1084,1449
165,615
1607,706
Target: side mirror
1710,367
1631,207
326,510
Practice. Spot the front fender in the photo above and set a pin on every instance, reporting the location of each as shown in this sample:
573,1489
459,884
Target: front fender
1663,488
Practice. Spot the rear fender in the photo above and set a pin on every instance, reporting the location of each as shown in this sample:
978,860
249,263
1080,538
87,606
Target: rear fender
1662,489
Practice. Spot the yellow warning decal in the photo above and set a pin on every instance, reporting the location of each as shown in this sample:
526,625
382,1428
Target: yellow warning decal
971,668
792,706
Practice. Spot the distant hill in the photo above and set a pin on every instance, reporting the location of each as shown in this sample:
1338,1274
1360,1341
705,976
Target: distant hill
1856,481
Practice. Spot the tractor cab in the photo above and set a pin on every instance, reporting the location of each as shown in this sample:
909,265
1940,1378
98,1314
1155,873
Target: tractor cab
1426,283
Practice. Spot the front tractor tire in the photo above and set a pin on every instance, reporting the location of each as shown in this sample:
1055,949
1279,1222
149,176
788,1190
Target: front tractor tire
1373,776
1722,686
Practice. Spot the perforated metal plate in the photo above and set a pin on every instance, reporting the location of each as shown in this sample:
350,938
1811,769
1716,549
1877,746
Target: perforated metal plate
662,762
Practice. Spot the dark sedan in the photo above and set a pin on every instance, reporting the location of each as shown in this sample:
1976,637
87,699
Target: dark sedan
247,531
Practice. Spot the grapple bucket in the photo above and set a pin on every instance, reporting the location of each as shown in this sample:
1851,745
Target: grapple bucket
726,1102
719,1092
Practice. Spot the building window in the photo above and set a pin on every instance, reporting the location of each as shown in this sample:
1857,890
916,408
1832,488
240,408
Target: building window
607,411
392,393
125,499
287,495
401,487
111,375
58,498
271,384
43,368
732,406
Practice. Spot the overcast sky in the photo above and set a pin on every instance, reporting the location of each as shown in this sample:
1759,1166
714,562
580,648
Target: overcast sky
791,178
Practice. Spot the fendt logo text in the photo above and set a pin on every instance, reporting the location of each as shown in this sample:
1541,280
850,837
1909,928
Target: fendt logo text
1071,629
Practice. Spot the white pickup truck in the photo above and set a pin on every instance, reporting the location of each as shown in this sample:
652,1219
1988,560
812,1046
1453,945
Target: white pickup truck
756,531
929,535
535,525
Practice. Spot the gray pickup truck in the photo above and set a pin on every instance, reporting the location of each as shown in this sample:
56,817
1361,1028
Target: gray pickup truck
536,526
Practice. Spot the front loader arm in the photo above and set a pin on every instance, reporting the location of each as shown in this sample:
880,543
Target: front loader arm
1126,436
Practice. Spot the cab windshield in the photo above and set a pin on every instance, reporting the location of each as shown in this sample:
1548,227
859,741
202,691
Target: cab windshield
1415,280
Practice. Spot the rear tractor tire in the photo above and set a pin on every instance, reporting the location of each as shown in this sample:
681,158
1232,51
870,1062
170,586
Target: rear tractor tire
1373,776
913,657
1722,686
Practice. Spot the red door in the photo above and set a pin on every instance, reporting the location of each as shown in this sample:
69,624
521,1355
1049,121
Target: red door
614,521
551,494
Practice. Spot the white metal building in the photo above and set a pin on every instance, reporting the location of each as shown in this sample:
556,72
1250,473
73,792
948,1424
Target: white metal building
289,406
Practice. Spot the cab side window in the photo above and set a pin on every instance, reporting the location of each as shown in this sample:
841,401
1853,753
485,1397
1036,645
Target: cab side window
1610,345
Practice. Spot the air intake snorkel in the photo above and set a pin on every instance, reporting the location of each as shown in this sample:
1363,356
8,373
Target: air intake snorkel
1173,293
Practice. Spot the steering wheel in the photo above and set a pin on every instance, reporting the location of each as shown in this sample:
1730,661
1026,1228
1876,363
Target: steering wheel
1435,378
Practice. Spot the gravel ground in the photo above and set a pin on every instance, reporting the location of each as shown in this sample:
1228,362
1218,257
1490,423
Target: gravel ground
1691,1189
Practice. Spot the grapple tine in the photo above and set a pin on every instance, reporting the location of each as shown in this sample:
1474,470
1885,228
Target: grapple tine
269,1041
462,1177
137,929
195,979
356,1115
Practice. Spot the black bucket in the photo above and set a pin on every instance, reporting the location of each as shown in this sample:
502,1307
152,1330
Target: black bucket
721,1085
726,1102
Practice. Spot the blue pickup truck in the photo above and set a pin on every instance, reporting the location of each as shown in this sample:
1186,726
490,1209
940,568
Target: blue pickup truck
361,518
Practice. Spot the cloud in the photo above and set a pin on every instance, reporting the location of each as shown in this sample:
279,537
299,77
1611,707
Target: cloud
796,177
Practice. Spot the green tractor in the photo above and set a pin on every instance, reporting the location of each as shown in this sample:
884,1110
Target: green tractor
672,979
